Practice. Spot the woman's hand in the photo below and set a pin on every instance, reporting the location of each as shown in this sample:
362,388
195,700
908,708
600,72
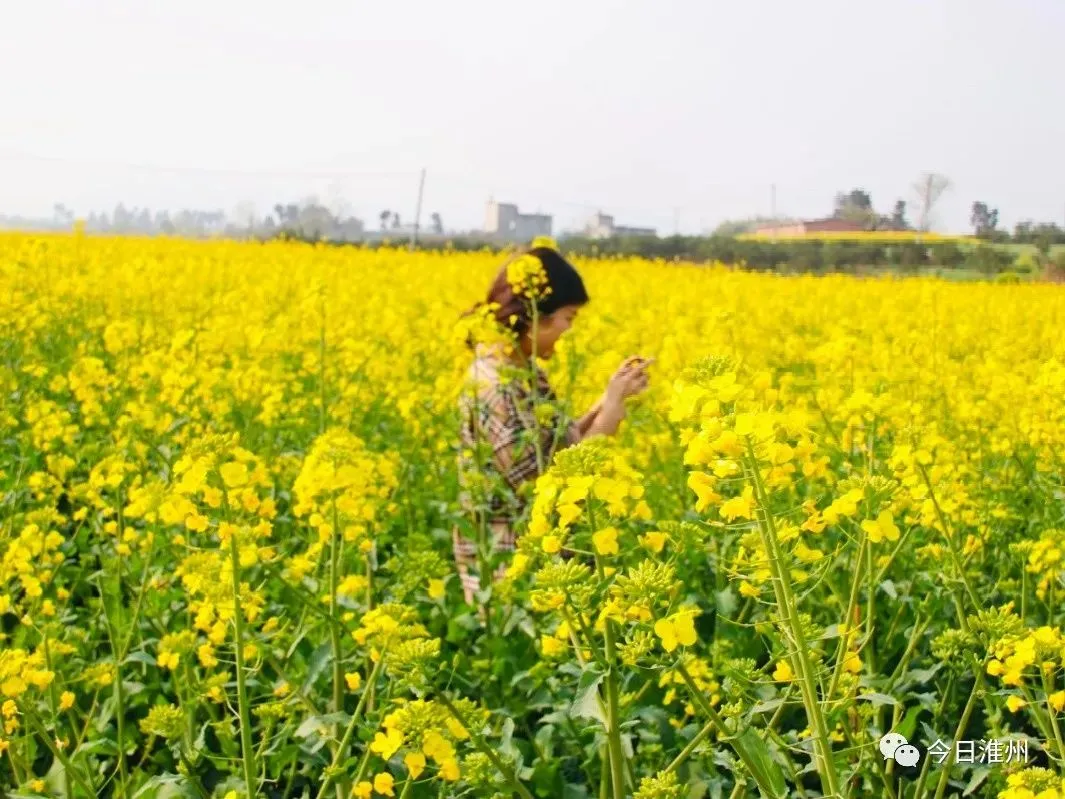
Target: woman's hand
605,416
629,380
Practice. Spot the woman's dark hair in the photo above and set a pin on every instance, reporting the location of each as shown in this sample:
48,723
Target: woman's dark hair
514,311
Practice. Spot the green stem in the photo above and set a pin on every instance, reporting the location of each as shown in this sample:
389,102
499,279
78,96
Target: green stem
1048,689
686,752
870,614
604,774
192,779
53,702
852,602
334,629
15,771
60,756
355,717
371,688
952,545
944,775
118,691
740,748
786,604
247,749
613,705
323,415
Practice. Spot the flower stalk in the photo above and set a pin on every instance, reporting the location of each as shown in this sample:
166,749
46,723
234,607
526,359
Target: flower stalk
786,605
246,746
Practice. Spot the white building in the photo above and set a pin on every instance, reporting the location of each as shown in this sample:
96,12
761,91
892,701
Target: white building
601,226
506,222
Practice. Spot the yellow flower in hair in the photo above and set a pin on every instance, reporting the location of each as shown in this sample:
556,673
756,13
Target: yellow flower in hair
527,277
544,241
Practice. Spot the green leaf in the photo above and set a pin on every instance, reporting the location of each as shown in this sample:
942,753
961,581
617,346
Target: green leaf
879,699
508,731
318,725
140,657
924,675
888,587
766,771
908,725
574,792
319,660
544,740
156,785
586,702
97,746
765,707
980,774
726,602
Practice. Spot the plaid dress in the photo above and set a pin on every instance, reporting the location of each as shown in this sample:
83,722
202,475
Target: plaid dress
511,427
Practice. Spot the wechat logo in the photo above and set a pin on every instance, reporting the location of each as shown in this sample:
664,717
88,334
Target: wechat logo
895,747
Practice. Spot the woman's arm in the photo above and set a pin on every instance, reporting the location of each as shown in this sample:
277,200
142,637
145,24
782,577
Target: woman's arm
584,422
610,412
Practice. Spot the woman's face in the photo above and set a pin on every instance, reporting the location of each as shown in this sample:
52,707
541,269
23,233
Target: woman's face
549,329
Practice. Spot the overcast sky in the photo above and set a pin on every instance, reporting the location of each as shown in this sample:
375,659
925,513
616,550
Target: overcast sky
657,110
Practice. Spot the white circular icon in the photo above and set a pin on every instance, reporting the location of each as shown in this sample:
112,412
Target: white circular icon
907,755
895,747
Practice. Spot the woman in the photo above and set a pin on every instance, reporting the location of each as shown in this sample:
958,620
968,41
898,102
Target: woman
510,425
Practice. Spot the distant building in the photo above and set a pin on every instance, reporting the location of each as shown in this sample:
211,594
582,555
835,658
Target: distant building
503,220
802,227
601,226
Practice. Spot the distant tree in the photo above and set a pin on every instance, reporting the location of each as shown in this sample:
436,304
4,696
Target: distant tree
395,220
315,221
385,216
62,215
1043,238
929,188
984,220
163,223
855,206
898,215
1042,234
287,215
120,219
436,224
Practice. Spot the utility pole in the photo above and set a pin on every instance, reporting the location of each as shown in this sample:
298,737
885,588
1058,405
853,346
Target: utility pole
418,210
